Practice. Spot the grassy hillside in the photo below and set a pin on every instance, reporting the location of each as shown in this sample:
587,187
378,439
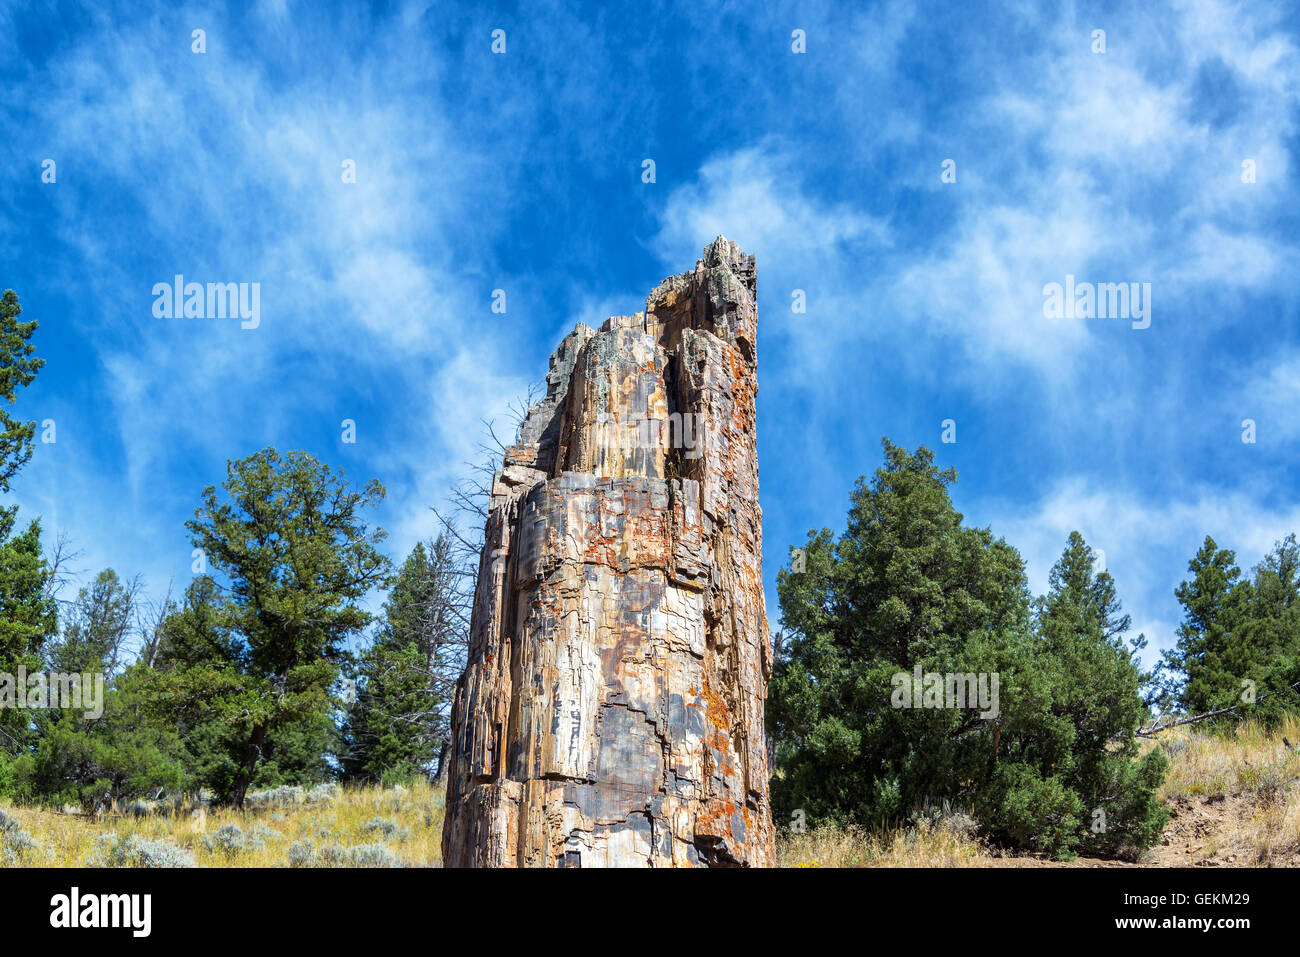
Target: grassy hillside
1235,801
325,827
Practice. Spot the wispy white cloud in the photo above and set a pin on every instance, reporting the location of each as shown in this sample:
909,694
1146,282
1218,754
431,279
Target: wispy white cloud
1147,541
521,172
1270,395
756,193
226,173
1122,166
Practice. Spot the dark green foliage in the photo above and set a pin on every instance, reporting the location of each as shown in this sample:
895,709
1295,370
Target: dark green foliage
396,728
95,760
28,614
124,754
96,627
1266,645
387,729
1212,603
1239,636
298,753
18,367
1075,746
249,666
905,585
909,585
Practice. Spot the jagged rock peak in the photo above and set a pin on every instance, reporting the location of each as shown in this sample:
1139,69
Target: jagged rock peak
611,712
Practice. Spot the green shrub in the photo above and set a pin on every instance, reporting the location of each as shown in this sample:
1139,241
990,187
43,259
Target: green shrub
373,855
387,827
6,777
16,845
1053,767
231,840
136,851
302,854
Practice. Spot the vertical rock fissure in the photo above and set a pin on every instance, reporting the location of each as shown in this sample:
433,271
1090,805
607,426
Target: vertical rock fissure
611,709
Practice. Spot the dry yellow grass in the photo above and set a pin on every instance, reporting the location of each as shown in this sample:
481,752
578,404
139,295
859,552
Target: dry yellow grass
925,844
1235,797
407,821
1250,759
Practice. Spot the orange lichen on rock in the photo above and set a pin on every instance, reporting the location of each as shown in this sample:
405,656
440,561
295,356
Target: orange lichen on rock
623,726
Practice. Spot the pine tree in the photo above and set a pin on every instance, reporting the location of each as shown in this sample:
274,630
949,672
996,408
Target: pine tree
399,725
1052,767
906,585
18,367
1078,757
257,655
1212,601
97,759
28,614
1239,643
1263,655
96,628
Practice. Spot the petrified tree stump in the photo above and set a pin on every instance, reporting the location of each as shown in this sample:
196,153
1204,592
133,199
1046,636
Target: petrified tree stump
611,713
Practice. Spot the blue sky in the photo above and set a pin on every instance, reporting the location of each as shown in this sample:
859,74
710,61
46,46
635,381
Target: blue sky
522,171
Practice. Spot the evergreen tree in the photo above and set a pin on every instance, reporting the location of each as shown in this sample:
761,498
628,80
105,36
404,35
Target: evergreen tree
125,753
399,724
96,628
98,759
260,653
28,615
909,586
1212,603
18,367
1072,779
1264,651
1239,643
195,636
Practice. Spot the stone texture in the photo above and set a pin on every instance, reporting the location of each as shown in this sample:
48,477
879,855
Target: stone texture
611,711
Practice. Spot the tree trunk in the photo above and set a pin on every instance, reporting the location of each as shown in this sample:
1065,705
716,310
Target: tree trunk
251,756
441,776
611,711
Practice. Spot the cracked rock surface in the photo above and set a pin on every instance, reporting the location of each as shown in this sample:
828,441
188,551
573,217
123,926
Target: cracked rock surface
611,711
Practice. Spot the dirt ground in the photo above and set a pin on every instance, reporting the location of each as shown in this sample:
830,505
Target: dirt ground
1216,831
